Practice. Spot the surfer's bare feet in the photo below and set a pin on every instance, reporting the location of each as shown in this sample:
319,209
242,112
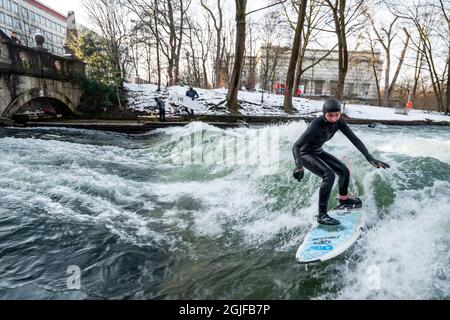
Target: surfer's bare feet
325,219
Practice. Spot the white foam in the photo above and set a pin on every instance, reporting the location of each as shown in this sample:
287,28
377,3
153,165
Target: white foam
408,249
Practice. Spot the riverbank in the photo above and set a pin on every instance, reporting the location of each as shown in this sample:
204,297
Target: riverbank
221,121
141,98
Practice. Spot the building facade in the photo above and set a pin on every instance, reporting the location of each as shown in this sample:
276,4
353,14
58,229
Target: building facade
320,78
29,17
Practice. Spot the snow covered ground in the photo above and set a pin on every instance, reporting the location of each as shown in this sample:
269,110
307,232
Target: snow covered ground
141,98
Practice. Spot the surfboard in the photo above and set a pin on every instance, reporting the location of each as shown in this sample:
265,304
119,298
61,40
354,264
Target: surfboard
323,242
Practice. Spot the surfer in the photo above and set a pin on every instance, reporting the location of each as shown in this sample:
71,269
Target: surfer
308,153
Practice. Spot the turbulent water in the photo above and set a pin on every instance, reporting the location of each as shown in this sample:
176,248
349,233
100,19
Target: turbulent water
140,224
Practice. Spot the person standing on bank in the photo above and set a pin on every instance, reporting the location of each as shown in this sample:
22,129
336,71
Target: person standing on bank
191,93
308,153
162,109
14,38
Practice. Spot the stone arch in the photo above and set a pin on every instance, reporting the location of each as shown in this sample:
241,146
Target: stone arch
29,95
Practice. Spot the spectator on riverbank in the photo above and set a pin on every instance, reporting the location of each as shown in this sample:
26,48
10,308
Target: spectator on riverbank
162,109
191,93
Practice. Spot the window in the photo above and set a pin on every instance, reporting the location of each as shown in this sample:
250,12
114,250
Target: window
333,87
8,20
350,88
2,17
365,88
318,87
16,23
14,7
304,82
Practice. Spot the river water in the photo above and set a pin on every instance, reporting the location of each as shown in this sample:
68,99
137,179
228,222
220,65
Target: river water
97,215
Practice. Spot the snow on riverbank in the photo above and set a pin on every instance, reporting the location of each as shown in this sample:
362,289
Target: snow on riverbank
141,98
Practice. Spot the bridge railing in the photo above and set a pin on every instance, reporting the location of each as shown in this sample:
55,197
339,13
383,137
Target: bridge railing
42,64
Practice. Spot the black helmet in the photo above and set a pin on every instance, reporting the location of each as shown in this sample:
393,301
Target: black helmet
332,105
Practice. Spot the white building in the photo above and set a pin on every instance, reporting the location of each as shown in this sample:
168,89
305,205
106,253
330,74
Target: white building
321,80
28,17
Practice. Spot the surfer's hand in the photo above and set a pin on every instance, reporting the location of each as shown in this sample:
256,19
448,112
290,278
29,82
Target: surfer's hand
299,173
377,163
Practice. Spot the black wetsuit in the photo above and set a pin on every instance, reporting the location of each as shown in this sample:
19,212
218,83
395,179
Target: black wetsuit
308,153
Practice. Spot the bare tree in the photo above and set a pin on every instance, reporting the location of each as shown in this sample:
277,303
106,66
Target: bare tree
374,63
148,55
218,26
400,63
271,27
137,39
250,54
294,57
346,17
148,14
228,44
425,19
174,17
417,70
315,18
314,25
155,31
241,8
193,76
386,42
233,87
199,38
445,12
386,36
112,20
204,38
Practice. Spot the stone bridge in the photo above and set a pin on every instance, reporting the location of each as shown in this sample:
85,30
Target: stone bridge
29,76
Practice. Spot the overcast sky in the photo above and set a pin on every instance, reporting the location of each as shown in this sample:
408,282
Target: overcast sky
64,6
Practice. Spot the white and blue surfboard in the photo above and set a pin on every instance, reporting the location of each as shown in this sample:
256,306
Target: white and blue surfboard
323,243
